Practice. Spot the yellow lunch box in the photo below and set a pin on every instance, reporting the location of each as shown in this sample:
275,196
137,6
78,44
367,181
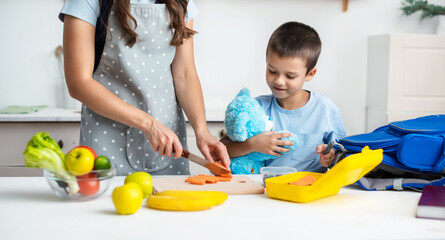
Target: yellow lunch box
346,172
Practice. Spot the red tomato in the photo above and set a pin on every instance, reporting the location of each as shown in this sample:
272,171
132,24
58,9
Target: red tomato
88,184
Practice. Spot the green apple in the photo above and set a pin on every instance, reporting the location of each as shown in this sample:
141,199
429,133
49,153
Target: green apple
79,161
127,199
144,181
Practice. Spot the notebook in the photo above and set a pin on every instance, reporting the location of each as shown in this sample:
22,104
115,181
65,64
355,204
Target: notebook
432,203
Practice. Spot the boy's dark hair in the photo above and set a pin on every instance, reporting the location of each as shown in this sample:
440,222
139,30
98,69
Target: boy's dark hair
294,39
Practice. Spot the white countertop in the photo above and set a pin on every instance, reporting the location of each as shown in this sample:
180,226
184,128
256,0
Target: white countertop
29,210
44,115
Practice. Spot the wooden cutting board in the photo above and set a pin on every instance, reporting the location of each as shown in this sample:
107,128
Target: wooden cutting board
239,185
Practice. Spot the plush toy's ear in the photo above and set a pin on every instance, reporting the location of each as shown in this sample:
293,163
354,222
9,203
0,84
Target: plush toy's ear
243,92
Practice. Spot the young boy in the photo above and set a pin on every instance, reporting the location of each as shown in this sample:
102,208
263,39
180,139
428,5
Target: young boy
292,54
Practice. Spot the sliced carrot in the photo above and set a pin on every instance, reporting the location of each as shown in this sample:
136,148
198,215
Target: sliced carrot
226,175
190,179
209,178
197,180
202,179
304,181
223,179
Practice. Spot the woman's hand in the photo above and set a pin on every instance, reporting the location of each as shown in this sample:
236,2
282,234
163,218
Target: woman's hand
212,149
163,140
325,159
269,142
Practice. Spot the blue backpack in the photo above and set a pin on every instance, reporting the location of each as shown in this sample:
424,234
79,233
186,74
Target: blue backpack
413,153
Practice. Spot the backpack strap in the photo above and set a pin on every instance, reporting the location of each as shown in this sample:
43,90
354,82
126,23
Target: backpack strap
376,184
101,30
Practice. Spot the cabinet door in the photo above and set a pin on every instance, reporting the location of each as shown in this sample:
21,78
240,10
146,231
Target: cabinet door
15,136
416,80
405,79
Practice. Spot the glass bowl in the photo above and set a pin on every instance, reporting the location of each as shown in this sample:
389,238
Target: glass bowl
80,188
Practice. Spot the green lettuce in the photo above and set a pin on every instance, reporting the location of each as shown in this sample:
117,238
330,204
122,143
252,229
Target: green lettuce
43,152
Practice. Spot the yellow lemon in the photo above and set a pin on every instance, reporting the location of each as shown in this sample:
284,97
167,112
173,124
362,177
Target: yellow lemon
127,199
144,181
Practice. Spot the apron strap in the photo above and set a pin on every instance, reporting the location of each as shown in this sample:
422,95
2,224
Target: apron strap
101,30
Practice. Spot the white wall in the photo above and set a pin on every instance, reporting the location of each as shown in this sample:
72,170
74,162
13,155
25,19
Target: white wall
30,32
229,49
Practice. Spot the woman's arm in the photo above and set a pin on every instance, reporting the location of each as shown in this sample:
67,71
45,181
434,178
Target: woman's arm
189,93
78,41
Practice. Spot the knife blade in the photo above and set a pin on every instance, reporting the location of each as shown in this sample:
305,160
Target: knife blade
214,168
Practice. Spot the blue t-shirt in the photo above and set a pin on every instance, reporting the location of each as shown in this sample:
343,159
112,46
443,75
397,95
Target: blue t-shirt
317,122
88,10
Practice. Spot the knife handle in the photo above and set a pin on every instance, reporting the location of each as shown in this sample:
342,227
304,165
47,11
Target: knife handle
185,154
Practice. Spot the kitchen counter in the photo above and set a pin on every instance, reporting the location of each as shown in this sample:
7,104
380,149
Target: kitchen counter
29,210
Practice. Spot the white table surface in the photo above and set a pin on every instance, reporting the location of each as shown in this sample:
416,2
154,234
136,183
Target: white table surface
29,210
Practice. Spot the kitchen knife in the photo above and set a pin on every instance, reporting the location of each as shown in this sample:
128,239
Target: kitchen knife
214,168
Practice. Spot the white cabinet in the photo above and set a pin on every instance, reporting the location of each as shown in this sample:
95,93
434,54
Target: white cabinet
16,130
62,125
14,137
405,79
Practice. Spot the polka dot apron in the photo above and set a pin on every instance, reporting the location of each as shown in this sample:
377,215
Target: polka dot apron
140,76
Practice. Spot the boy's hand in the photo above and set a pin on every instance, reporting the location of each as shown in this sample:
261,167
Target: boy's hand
325,159
269,142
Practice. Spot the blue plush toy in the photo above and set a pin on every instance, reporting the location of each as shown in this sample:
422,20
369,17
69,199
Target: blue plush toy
244,119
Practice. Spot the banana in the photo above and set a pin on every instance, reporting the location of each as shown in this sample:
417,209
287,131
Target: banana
219,197
176,203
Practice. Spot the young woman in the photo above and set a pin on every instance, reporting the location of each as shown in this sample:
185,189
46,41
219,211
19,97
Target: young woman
133,91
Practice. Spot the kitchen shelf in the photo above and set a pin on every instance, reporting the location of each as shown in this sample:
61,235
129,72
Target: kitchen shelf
44,115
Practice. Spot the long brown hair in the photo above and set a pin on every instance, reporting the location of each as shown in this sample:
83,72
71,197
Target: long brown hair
177,10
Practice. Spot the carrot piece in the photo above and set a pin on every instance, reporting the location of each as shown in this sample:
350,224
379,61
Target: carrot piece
219,164
304,181
202,179
209,178
226,175
223,179
198,180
